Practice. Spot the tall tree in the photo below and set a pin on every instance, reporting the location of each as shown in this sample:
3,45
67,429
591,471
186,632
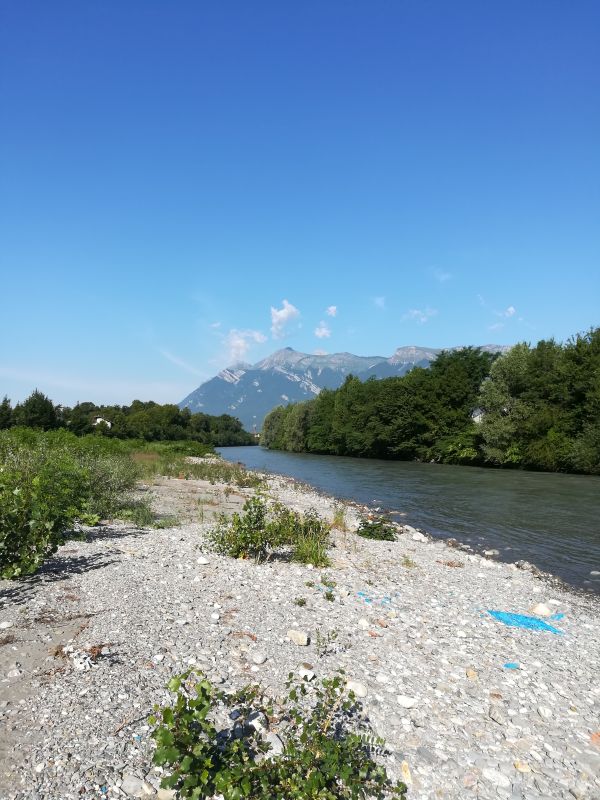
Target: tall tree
37,411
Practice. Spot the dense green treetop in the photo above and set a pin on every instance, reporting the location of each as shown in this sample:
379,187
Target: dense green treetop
141,420
533,407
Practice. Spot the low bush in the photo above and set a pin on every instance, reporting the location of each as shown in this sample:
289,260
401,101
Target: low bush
328,753
261,531
47,482
379,528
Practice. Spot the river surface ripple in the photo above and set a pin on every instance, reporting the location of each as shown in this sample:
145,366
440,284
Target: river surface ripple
551,520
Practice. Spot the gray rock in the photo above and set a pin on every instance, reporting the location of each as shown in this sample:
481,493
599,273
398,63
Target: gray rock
136,787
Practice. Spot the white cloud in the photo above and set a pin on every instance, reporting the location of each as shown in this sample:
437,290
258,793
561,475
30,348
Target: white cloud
507,313
322,331
379,302
481,300
420,315
496,326
442,276
331,311
280,317
319,352
215,325
239,342
179,362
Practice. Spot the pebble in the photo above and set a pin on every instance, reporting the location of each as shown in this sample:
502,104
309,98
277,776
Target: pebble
541,610
6,624
258,658
405,701
301,638
135,787
202,561
496,777
544,712
359,689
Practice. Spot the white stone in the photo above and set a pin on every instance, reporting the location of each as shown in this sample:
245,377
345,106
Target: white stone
381,678
202,561
496,777
541,610
359,689
276,743
363,624
419,537
405,701
258,658
301,638
306,673
6,624
544,712
136,787
215,617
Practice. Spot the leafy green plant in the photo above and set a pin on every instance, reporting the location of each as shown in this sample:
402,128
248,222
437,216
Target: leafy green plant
327,753
48,481
260,531
299,601
378,528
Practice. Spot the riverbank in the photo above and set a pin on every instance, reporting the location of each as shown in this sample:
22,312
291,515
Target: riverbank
469,706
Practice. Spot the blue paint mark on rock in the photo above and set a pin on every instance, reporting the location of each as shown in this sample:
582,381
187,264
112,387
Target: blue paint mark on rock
522,621
511,665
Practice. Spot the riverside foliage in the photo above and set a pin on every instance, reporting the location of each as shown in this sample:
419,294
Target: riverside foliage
47,482
324,757
149,421
534,407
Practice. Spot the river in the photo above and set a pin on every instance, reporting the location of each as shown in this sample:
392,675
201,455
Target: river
551,520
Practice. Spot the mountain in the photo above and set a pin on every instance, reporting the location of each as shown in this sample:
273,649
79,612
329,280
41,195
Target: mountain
250,391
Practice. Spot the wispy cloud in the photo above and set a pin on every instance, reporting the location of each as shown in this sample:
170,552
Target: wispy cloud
481,301
280,318
496,326
239,342
319,352
322,331
179,362
379,302
507,313
215,325
441,275
331,311
420,315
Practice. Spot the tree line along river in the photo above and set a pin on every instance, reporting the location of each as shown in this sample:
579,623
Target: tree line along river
549,519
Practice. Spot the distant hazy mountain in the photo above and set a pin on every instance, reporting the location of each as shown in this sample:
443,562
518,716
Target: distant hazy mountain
250,391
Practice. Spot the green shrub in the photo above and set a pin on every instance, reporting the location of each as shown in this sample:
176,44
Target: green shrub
380,529
259,532
327,753
47,482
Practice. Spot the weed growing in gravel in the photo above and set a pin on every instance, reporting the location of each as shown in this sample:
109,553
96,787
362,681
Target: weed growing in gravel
339,517
260,531
324,642
329,595
408,562
379,528
299,601
327,753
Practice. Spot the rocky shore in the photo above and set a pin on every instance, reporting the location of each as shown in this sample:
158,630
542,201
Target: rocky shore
469,705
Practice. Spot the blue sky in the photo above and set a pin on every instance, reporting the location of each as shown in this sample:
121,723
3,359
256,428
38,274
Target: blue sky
187,184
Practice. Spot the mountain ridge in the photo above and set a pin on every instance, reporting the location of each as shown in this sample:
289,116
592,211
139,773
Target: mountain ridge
250,391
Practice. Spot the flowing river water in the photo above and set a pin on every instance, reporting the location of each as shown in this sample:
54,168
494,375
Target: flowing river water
551,520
